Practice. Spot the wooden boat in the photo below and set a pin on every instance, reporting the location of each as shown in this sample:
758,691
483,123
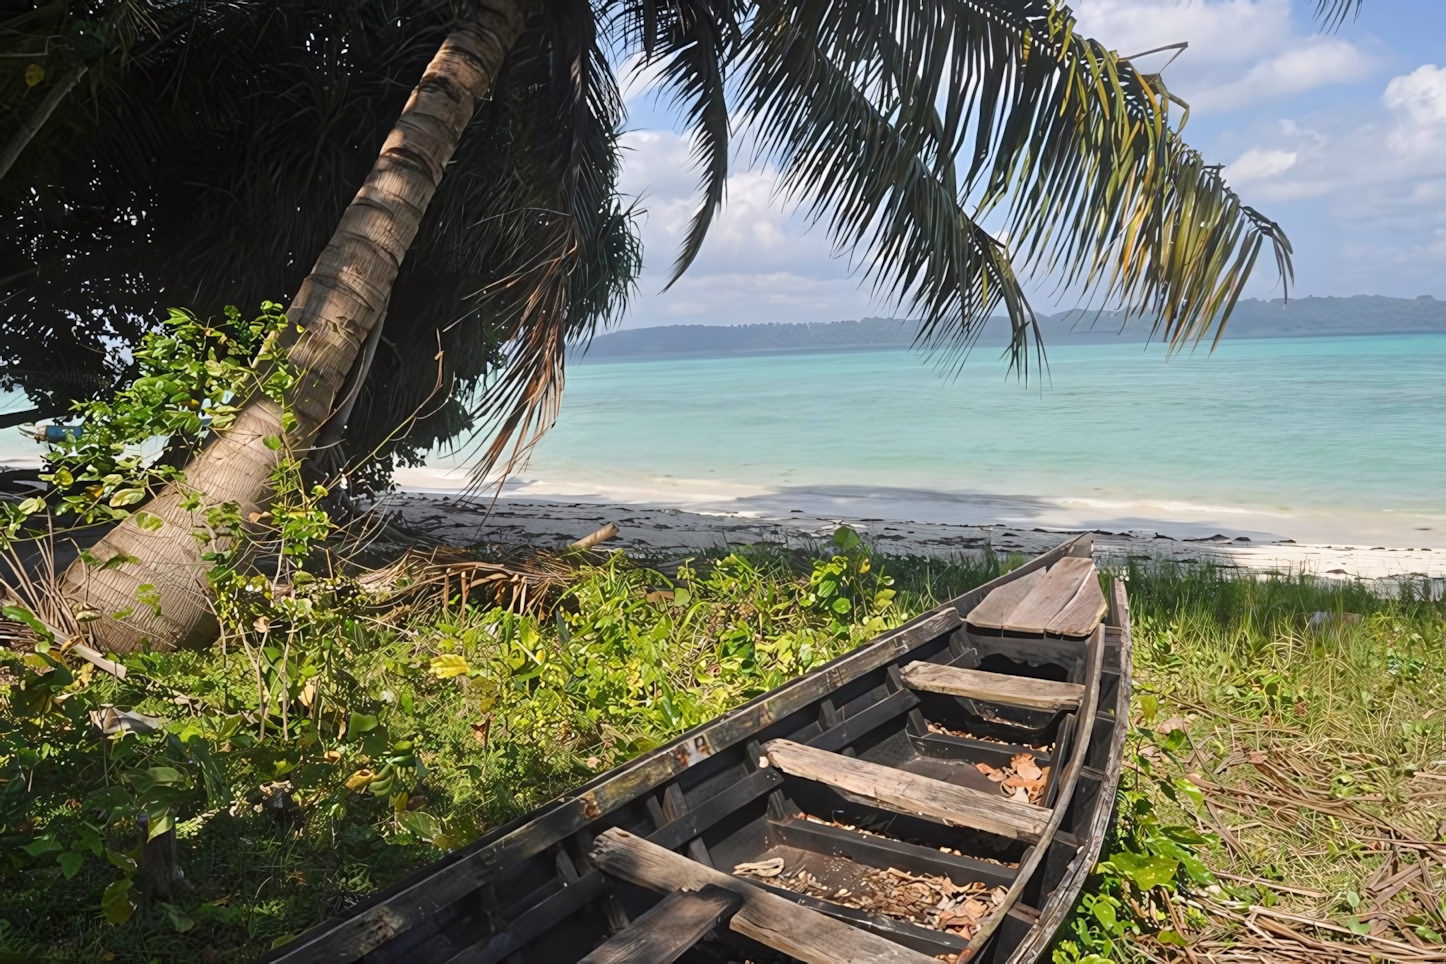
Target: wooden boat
847,816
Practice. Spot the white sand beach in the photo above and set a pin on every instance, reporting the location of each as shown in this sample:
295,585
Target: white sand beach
460,520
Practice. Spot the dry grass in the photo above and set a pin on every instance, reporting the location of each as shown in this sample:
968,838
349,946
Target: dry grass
1321,755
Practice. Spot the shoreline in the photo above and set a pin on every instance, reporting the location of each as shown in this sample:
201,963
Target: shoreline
658,530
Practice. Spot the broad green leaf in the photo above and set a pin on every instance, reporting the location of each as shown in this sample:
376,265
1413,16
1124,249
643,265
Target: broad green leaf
116,903
106,798
42,845
178,918
21,615
159,824
360,723
421,825
1104,912
121,862
148,521
1145,872
70,863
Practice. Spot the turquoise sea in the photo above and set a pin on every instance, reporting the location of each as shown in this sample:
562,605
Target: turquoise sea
1317,439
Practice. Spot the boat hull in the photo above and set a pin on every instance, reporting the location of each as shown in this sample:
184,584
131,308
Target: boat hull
754,789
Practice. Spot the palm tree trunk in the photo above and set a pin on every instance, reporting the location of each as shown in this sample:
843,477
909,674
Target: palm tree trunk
21,138
337,306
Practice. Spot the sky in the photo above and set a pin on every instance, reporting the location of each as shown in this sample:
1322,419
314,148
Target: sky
1340,137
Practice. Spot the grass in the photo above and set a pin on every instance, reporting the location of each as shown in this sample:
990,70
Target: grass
1319,753
418,733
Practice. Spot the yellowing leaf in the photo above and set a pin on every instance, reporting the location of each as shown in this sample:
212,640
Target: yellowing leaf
127,497
449,665
358,780
34,74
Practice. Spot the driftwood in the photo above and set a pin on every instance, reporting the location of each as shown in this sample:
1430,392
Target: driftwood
592,539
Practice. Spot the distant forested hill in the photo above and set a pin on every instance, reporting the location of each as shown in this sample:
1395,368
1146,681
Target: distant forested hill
1360,315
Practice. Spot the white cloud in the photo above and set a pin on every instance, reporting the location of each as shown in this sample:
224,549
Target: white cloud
1421,94
762,261
1314,63
1418,100
1256,165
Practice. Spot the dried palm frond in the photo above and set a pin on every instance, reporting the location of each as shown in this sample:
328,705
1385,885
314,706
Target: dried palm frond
421,582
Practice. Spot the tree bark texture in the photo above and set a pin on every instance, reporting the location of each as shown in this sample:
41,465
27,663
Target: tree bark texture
22,138
337,306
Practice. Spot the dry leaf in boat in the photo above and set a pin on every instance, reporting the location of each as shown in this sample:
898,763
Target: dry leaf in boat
1020,795
990,772
1023,764
761,868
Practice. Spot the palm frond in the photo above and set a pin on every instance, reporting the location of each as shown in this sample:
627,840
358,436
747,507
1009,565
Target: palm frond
876,176
872,106
691,42
1331,14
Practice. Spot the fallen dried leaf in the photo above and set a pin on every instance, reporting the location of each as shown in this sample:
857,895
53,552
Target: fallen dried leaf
1024,765
764,868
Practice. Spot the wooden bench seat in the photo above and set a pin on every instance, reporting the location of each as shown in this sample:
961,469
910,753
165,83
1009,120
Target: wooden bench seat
1033,694
1064,600
905,792
662,934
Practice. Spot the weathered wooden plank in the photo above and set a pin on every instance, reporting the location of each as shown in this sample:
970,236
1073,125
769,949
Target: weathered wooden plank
1061,901
767,918
662,934
1080,545
910,793
860,724
1049,595
994,611
1064,792
1083,613
1034,694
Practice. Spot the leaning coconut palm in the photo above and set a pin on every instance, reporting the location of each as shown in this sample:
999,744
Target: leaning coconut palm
909,128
